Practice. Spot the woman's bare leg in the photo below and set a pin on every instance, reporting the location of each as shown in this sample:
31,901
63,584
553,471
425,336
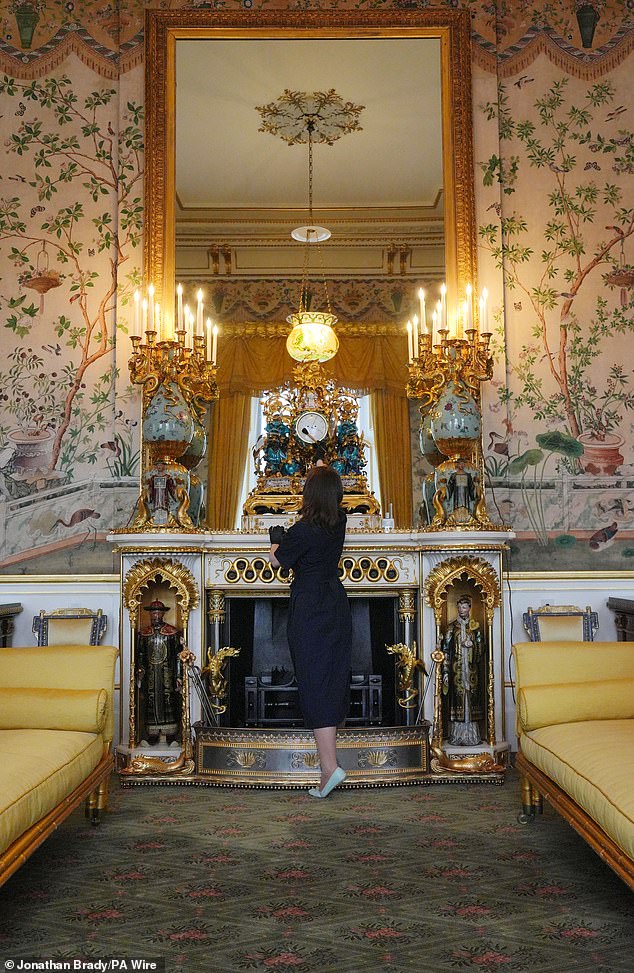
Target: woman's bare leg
326,740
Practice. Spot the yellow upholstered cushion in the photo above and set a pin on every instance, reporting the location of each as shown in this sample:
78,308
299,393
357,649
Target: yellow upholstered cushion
63,667
39,769
607,699
537,663
593,762
53,709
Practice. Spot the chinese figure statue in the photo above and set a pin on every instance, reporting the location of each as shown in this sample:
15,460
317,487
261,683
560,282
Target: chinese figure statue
158,647
463,679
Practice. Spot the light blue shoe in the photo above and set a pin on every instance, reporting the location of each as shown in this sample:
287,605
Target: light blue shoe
337,777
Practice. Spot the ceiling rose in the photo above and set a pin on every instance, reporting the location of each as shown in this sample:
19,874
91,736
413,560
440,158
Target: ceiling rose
329,116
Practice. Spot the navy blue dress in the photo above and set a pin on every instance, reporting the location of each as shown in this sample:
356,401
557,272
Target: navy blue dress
319,621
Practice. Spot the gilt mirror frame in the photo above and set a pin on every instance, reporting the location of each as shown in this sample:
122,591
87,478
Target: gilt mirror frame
164,27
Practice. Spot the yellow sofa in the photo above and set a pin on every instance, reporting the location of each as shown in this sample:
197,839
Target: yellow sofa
56,728
575,720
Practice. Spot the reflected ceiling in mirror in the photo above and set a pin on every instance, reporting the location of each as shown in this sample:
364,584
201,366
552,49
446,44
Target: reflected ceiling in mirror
240,190
398,196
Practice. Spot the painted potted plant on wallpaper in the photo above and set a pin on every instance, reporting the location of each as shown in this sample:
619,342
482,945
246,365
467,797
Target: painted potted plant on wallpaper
568,372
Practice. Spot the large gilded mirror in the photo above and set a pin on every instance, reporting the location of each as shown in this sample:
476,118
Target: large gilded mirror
223,191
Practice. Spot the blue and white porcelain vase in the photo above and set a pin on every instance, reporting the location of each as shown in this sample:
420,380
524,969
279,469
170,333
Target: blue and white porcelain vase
190,459
168,425
455,421
168,429
428,446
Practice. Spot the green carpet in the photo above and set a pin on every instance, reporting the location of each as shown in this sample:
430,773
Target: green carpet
411,878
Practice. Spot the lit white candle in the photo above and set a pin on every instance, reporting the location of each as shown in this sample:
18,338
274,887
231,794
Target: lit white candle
469,308
443,306
410,345
463,323
144,313
199,313
214,348
415,335
157,321
434,326
484,311
208,339
137,299
179,310
150,301
423,314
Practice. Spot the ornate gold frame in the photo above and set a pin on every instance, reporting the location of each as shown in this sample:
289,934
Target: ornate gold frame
453,27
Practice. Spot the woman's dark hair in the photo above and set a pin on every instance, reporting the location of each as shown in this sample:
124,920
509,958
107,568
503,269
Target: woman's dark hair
323,492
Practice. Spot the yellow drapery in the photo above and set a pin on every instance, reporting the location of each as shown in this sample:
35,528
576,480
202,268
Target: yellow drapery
253,358
390,418
227,454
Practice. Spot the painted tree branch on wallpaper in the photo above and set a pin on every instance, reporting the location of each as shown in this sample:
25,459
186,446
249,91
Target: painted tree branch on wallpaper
70,141
564,346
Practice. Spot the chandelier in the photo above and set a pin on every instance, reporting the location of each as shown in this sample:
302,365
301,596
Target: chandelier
299,116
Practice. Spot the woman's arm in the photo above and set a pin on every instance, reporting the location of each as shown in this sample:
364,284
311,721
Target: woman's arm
274,561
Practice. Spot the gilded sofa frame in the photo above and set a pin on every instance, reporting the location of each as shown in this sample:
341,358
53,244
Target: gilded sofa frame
93,789
537,785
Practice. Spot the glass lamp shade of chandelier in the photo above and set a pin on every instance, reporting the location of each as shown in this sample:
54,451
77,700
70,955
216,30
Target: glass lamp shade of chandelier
312,337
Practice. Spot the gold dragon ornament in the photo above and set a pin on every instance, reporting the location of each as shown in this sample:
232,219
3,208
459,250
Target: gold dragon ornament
408,663
215,670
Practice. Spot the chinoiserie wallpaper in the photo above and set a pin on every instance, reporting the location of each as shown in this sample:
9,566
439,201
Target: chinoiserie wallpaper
554,151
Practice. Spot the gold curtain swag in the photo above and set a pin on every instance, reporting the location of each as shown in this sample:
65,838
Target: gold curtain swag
253,359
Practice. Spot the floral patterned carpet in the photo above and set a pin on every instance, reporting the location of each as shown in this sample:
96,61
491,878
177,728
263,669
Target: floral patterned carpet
429,879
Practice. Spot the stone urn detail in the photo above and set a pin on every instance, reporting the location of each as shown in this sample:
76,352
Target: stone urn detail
168,429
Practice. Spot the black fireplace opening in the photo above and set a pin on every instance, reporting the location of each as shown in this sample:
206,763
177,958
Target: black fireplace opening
262,688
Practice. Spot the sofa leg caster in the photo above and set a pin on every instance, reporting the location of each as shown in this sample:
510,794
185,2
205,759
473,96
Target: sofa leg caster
526,815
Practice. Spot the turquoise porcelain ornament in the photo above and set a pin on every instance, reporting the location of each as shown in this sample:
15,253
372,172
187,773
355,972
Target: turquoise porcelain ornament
455,421
168,429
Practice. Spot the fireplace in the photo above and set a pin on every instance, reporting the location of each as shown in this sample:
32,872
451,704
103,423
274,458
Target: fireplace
262,689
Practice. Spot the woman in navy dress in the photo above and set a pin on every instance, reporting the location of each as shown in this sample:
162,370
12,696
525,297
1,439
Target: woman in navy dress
319,620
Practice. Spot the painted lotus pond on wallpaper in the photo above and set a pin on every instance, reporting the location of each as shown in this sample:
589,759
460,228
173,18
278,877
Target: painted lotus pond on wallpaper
560,427
554,206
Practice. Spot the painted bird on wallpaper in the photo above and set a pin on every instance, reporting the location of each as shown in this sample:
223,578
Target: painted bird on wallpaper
604,537
77,517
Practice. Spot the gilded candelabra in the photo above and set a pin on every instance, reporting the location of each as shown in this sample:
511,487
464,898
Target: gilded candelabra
460,360
178,379
154,363
446,378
